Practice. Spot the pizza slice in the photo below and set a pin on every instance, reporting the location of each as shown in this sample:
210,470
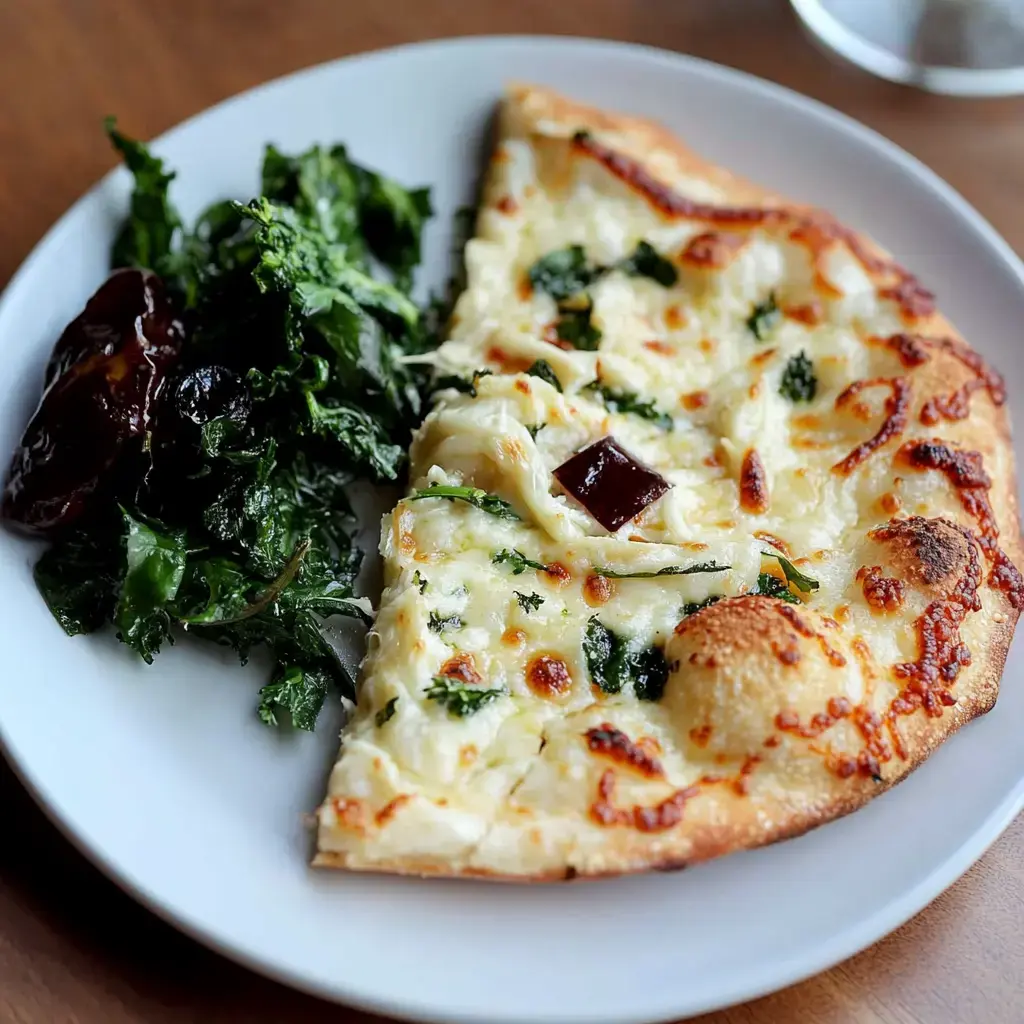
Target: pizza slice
710,536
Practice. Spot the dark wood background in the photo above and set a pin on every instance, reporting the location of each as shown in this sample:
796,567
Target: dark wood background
73,947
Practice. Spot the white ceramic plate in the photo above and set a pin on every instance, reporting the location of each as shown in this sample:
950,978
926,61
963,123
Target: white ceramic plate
164,777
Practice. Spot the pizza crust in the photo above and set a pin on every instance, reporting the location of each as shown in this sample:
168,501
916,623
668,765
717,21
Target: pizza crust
739,664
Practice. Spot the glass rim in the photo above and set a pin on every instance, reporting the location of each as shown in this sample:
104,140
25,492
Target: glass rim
826,28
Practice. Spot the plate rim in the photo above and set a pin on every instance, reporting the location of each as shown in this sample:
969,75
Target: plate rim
846,943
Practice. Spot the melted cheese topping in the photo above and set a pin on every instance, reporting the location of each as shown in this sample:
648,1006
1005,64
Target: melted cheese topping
516,788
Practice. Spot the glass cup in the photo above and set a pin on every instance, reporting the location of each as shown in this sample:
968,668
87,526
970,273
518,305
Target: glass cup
958,47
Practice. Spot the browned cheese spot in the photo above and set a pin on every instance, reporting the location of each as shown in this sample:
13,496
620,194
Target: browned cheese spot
657,818
548,676
390,809
753,484
596,590
461,667
883,593
608,741
965,470
895,422
713,250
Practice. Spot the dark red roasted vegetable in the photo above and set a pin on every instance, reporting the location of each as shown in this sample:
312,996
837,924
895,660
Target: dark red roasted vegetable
101,386
609,483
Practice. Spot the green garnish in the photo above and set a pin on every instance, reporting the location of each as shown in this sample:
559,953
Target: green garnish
386,713
533,429
437,623
231,520
805,584
419,581
772,586
542,369
528,602
517,560
764,317
669,570
459,698
695,606
613,663
474,496
467,387
563,272
575,324
798,383
153,228
629,403
646,261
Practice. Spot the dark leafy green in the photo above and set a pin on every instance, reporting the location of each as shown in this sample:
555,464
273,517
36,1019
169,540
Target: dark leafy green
799,384
764,316
148,236
474,496
297,689
630,403
78,578
542,369
229,517
646,261
467,387
517,560
386,713
438,623
528,602
420,581
154,569
613,663
566,273
575,324
563,273
772,586
668,570
695,606
459,698
805,584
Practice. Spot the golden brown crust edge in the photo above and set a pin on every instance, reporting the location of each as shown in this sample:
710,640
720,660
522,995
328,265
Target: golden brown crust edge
534,110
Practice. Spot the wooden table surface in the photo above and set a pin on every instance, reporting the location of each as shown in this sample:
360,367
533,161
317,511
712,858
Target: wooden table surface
74,948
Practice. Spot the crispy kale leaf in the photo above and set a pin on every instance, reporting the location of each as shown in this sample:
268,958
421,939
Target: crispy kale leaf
575,323
772,586
805,584
563,273
543,370
630,403
646,261
154,569
153,227
613,662
763,317
231,521
78,578
799,384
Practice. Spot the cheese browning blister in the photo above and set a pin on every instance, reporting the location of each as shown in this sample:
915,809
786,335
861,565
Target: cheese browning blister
820,589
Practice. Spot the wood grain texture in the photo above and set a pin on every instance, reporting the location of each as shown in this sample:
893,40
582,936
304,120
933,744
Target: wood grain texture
73,948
